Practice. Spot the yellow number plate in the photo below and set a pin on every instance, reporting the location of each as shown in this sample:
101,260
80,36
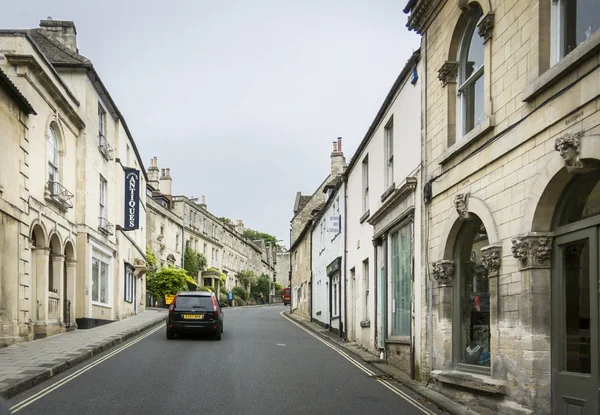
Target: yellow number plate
193,316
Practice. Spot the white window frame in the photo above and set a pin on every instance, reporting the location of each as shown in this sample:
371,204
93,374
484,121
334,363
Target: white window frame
365,184
389,152
102,198
101,122
129,282
366,282
53,156
101,257
463,84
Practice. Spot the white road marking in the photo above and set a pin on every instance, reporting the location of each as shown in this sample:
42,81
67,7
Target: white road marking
280,344
46,391
359,365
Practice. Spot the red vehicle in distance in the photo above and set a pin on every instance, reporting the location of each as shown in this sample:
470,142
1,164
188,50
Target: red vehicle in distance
287,298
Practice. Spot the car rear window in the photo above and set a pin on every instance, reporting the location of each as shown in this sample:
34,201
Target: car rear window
193,302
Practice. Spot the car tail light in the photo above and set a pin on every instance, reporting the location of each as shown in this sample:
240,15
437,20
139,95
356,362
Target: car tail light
172,306
214,301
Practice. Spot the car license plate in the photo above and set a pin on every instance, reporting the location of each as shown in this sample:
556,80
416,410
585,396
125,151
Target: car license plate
193,316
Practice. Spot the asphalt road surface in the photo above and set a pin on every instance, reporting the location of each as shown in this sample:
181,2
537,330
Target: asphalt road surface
264,364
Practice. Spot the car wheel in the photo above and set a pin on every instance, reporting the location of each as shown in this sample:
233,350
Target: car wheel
218,336
170,335
221,328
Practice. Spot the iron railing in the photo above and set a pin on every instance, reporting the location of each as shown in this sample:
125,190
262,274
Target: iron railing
105,226
60,195
104,147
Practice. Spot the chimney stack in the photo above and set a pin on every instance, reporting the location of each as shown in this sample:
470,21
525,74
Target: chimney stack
338,162
203,204
61,31
165,182
153,174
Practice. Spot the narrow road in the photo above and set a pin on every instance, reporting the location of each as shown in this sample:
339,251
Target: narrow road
264,364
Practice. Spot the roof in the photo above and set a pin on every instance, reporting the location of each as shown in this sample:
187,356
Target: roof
307,227
412,61
303,201
58,54
61,56
15,94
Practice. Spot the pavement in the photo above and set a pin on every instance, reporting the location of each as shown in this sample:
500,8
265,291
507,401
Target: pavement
436,398
24,365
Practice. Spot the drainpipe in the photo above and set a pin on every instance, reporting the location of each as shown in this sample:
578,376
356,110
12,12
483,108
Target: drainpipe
290,273
345,255
310,304
342,325
376,307
384,245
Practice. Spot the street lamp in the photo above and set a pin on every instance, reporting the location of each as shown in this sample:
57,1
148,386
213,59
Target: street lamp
193,199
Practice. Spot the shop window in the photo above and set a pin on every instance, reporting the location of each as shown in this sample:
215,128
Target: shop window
581,200
401,282
471,320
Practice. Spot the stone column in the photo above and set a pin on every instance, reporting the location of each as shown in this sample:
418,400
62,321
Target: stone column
492,260
71,288
58,267
534,251
443,273
42,258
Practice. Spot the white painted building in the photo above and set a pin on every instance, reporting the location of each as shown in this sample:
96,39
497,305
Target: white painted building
327,246
383,227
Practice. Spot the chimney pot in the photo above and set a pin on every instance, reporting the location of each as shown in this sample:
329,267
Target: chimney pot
203,200
162,173
339,144
334,147
168,172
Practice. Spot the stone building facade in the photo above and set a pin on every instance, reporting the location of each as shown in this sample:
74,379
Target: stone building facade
511,128
70,266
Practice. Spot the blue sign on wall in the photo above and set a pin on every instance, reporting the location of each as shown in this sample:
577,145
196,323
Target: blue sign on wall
132,199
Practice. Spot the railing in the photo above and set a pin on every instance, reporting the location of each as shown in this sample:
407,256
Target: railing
105,148
53,300
105,226
59,195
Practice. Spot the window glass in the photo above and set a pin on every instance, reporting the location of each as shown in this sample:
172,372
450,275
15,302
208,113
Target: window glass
581,199
401,282
474,295
95,279
190,302
580,22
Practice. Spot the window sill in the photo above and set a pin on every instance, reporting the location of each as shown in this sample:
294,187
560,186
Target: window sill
562,68
335,237
365,216
398,340
388,192
470,381
103,305
486,125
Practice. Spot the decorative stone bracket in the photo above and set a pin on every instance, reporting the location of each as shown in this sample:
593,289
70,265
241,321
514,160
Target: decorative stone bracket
443,273
448,73
492,259
139,267
533,250
461,202
486,27
568,147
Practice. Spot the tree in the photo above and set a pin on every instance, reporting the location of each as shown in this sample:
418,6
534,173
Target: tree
239,292
254,235
246,277
166,281
278,288
262,286
194,262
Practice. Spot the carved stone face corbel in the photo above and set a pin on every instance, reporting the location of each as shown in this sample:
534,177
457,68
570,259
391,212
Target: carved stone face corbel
448,73
461,202
139,267
492,259
533,250
568,147
443,273
486,27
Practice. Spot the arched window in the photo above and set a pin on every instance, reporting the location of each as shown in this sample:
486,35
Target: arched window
471,322
52,156
470,76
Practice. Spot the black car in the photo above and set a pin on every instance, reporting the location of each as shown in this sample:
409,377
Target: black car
195,312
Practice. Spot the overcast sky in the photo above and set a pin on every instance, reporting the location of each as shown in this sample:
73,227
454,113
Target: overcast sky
240,98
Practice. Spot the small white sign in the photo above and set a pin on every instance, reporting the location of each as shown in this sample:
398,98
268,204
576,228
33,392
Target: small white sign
333,224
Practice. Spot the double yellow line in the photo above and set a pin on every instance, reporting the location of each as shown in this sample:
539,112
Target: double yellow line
365,369
81,371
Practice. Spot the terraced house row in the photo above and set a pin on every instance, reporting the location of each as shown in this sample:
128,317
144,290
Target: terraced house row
465,248
77,206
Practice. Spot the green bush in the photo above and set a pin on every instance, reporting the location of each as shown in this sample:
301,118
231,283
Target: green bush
205,288
239,292
223,298
166,281
239,302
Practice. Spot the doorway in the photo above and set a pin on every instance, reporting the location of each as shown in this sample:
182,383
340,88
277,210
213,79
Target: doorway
575,317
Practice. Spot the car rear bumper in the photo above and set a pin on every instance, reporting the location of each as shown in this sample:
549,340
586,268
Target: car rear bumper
194,326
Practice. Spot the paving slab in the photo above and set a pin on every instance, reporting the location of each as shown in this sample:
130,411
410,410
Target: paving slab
24,365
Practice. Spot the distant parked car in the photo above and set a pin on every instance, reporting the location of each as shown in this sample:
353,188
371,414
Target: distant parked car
195,312
286,296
